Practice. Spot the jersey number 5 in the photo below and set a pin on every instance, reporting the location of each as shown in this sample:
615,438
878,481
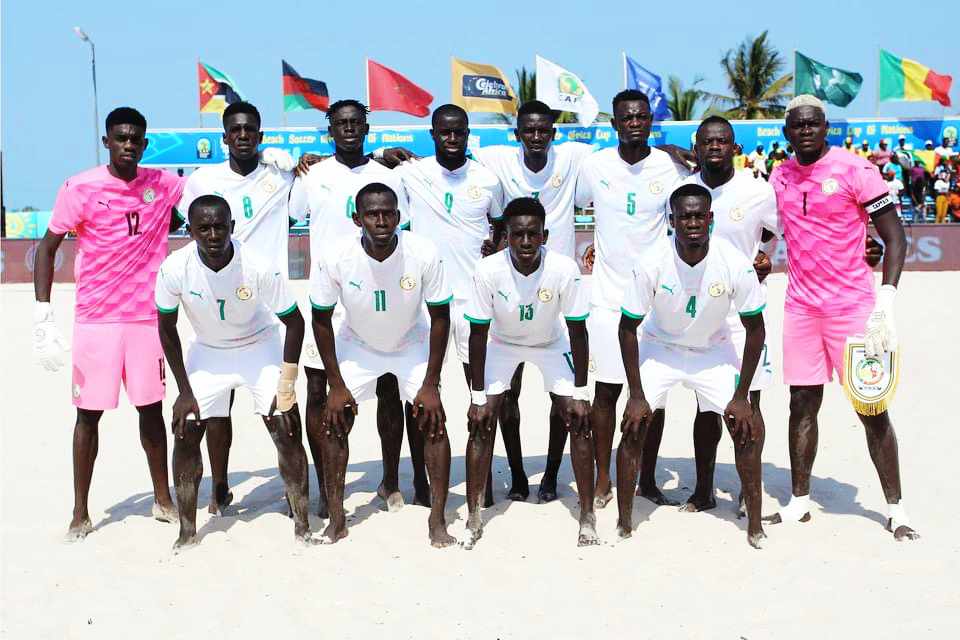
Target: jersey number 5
631,203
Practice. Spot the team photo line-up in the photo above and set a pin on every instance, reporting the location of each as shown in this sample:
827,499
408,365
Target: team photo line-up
409,253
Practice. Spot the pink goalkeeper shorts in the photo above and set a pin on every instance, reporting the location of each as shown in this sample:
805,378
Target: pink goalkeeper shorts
813,346
108,353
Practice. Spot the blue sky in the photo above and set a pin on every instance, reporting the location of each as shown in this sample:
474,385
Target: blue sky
147,53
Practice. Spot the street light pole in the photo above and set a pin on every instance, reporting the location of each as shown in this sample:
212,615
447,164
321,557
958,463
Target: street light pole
93,66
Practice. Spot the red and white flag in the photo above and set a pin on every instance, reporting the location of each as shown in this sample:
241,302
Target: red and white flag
388,90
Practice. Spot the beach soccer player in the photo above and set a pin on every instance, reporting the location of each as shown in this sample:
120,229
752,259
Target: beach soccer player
530,302
680,295
826,197
121,215
231,299
384,281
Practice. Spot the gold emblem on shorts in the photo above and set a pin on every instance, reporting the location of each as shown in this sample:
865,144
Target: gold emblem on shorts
474,192
716,289
829,186
244,292
545,295
591,365
736,214
656,187
76,391
556,180
312,351
149,195
407,283
268,186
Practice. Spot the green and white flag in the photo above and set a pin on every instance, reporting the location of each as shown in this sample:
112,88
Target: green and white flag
836,86
563,90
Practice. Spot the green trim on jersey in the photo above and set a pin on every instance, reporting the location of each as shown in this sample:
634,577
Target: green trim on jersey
476,320
177,213
440,302
166,310
287,311
630,315
406,227
755,312
576,318
322,307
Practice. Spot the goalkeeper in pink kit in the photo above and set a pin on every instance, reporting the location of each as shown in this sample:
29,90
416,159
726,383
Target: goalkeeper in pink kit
121,214
825,197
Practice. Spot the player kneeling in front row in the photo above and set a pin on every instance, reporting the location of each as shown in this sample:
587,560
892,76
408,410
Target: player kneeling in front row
686,288
383,279
230,299
518,297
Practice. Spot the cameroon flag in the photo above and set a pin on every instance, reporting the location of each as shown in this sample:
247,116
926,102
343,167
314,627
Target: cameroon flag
301,93
217,89
903,79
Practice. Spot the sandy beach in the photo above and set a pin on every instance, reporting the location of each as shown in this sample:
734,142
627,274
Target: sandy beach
680,576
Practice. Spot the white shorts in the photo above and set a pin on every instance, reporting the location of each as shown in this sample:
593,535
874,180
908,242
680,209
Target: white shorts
360,366
214,373
606,361
763,376
311,355
555,362
711,374
460,329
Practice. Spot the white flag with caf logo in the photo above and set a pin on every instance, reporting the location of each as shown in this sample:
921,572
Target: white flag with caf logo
565,91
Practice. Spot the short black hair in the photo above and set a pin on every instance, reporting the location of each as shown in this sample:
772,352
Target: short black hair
629,95
536,107
690,190
717,120
448,109
525,206
208,201
349,102
125,115
240,107
372,188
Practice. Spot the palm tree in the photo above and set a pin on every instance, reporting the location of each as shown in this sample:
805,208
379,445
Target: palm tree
757,91
683,102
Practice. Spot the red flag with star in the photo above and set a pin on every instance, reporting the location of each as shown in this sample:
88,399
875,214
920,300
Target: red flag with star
388,90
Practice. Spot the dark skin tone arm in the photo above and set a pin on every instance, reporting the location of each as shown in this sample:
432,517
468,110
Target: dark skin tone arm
293,341
478,417
739,413
185,403
890,229
637,414
43,265
340,398
579,417
427,402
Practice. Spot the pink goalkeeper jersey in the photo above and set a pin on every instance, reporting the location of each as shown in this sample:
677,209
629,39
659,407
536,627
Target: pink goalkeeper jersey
825,225
121,232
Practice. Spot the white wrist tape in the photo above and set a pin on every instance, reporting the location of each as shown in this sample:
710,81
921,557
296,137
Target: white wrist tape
898,516
885,297
378,153
478,398
581,393
798,507
42,312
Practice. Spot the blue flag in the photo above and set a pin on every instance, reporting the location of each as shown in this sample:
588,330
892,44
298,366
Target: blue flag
648,83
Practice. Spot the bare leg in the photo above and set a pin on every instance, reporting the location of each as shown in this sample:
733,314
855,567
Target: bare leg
747,456
648,462
219,441
555,447
602,417
421,486
153,439
285,431
335,454
581,455
707,430
510,429
316,399
882,443
436,453
390,428
187,471
804,434
479,454
488,496
628,466
86,439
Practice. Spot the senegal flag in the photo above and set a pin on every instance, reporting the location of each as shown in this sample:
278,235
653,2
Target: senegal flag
217,89
903,79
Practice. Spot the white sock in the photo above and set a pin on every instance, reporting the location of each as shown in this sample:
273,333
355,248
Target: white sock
798,507
898,516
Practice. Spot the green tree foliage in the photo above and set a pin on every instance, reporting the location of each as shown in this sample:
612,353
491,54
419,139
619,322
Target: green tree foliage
756,88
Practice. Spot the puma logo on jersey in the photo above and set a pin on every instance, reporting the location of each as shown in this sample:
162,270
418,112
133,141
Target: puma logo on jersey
196,293
605,183
666,288
358,285
503,295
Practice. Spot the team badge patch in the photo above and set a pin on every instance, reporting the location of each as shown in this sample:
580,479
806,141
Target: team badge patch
736,214
545,295
656,187
474,192
312,351
716,289
268,186
869,382
149,195
556,180
829,186
591,365
244,292
407,283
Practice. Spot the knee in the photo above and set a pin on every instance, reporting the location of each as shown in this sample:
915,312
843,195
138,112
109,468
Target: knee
151,411
805,401
316,392
606,395
88,420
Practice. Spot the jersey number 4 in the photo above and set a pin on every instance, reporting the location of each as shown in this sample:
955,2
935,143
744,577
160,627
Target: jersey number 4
380,300
692,306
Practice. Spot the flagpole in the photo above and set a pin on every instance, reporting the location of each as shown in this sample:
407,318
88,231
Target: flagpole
283,103
623,57
795,91
199,113
878,82
366,78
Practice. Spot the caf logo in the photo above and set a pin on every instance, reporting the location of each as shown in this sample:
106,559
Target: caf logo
545,295
829,186
407,283
149,195
474,192
556,180
268,187
244,293
716,289
736,214
656,187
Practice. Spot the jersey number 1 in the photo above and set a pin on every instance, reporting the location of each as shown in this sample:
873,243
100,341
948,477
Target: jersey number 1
380,300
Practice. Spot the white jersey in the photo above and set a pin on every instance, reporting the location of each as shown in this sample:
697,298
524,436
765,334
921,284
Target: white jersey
554,186
451,209
527,310
260,203
331,190
630,203
687,306
383,301
230,308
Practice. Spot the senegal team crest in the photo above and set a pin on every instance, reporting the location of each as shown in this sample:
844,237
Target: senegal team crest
244,293
736,214
556,181
716,289
829,186
407,283
473,192
149,195
591,365
268,186
656,187
545,295
869,382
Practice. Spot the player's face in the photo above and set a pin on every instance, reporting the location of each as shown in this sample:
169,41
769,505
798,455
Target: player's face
806,129
715,147
377,215
632,120
450,135
691,219
525,236
126,143
535,132
211,228
348,128
242,135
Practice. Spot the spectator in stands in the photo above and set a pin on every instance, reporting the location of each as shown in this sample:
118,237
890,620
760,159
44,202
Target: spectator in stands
758,161
945,150
881,155
777,157
918,187
894,186
927,157
895,167
864,150
902,144
848,145
942,188
739,160
954,203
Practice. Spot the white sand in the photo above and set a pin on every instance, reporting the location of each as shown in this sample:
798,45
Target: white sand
681,575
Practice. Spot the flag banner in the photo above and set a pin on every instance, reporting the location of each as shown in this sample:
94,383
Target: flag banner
301,93
649,84
481,88
565,91
833,85
388,90
217,89
903,79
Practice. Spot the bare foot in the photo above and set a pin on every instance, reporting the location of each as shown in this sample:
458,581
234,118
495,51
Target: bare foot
519,490
79,529
624,532
217,506
588,531
184,542
393,499
334,532
776,519
903,532
164,514
697,503
756,538
547,491
439,538
602,497
654,495
305,539
474,530
421,492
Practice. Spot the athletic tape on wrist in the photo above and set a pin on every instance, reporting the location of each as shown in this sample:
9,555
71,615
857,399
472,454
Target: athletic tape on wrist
478,398
581,393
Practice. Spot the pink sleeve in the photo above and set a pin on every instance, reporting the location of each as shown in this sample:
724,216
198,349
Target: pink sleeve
869,184
67,210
